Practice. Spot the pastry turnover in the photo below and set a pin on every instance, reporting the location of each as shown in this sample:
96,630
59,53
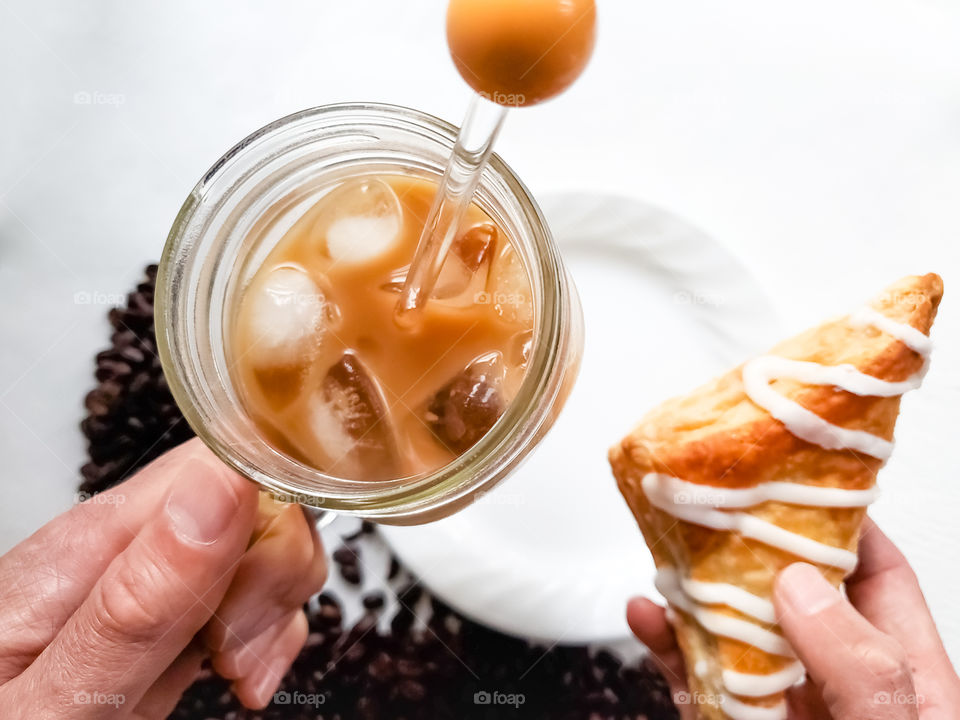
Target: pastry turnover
770,464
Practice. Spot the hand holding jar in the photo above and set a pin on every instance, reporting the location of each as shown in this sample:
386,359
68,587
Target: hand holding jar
110,608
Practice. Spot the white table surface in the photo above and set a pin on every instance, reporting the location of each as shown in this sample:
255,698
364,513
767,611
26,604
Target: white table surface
819,141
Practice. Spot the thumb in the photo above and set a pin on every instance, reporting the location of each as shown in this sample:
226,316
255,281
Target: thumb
153,597
860,671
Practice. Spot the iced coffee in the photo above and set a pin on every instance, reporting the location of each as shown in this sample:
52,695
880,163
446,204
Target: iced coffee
328,375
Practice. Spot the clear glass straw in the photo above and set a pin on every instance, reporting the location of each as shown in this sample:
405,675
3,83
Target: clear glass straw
455,192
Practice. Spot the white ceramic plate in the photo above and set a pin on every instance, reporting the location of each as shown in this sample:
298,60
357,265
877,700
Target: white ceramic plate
553,553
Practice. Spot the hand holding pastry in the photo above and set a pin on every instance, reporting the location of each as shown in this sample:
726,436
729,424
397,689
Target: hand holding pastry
877,655
751,492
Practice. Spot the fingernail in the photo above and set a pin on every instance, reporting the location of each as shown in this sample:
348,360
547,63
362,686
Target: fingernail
219,642
244,628
806,590
202,504
230,664
266,686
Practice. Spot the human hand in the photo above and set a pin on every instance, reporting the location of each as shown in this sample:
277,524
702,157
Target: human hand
877,655
110,608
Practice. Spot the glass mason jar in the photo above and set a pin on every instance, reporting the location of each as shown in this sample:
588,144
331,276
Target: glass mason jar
233,219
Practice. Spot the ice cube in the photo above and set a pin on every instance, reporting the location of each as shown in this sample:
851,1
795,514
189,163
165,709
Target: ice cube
520,347
476,246
350,423
397,278
508,288
464,270
461,270
464,409
284,314
358,221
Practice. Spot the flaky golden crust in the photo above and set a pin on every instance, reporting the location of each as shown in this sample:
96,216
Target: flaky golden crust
716,436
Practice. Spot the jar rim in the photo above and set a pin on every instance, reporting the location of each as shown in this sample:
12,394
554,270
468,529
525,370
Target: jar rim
180,347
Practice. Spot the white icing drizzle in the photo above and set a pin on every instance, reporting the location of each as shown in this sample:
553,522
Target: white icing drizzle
668,583
711,506
752,685
742,711
806,425
749,526
907,334
791,493
711,593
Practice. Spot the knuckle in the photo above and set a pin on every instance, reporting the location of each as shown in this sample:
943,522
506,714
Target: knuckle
301,628
301,550
126,607
285,585
879,669
304,587
314,575
311,582
297,551
884,659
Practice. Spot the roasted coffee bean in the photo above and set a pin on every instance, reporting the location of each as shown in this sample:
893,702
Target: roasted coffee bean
410,594
382,667
367,709
394,568
355,654
411,690
366,623
111,370
351,574
402,622
123,338
132,418
90,471
329,614
344,555
314,639
373,601
409,668
141,381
